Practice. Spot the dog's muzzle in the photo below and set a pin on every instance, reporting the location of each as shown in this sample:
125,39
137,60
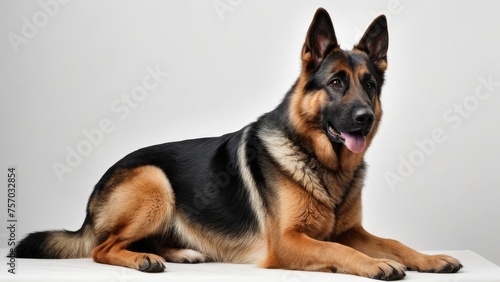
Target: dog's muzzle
353,135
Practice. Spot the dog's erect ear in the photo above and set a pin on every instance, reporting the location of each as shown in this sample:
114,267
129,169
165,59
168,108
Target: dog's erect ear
375,42
320,39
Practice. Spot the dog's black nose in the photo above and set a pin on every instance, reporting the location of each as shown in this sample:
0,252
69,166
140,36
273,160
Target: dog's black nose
364,117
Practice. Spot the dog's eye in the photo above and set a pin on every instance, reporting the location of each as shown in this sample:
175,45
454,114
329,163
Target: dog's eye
336,83
370,85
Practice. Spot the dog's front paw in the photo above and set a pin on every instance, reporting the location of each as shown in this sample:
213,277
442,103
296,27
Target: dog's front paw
437,264
383,269
151,263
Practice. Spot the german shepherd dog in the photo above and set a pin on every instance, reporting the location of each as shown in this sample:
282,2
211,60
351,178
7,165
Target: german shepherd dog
283,192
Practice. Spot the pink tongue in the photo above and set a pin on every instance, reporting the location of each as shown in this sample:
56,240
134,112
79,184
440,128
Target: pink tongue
354,142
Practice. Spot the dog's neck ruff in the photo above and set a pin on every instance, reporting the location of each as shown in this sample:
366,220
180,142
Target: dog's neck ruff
304,169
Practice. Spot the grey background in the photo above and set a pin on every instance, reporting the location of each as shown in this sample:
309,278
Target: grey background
228,67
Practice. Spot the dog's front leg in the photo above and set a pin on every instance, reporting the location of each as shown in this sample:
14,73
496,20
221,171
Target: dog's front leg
373,246
295,250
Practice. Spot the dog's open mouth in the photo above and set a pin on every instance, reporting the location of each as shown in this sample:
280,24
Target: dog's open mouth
354,141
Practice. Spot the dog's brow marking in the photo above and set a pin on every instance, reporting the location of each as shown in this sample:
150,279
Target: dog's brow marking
249,182
295,163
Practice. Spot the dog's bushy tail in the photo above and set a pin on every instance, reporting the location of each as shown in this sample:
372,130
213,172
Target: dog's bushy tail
58,243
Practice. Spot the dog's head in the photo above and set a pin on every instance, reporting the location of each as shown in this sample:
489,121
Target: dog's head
336,99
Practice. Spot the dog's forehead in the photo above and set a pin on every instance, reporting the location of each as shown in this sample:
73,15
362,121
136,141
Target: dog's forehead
355,62
357,59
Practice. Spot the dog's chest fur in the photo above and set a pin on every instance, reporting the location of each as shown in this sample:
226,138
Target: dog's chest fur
329,195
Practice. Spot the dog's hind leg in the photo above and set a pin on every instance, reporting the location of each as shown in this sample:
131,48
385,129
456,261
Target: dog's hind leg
140,204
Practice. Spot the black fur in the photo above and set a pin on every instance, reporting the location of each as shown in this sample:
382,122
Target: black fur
33,246
203,175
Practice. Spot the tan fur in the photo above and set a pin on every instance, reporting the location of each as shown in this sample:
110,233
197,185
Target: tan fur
217,247
145,196
70,245
141,205
303,116
377,247
298,240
